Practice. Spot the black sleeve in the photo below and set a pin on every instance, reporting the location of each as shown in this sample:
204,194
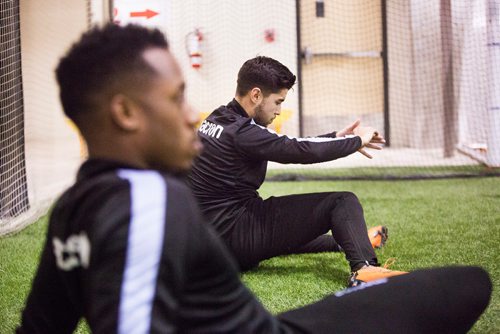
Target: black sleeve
48,308
329,135
260,143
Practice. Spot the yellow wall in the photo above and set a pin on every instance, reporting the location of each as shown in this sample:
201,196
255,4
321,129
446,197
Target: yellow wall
339,86
348,25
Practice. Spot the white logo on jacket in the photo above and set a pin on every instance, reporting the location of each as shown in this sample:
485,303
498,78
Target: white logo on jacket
211,129
73,253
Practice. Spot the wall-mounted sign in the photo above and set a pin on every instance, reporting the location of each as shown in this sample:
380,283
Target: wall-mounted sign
151,13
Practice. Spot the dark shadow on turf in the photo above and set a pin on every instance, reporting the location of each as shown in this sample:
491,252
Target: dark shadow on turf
324,266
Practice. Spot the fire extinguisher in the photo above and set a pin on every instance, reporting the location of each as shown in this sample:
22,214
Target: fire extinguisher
193,47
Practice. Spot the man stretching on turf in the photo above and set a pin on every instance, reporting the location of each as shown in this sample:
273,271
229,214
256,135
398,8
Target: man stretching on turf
232,166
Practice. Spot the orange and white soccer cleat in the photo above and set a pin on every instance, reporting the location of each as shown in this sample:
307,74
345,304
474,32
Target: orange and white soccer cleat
370,273
378,236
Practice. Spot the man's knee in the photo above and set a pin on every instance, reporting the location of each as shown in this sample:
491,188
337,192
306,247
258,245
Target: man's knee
348,198
344,200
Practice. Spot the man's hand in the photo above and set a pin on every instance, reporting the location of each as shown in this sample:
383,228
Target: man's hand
369,136
349,130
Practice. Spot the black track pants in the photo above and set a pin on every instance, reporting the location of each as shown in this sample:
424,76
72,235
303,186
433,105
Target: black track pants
442,300
292,224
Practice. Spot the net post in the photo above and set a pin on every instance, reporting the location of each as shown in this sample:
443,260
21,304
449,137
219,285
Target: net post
493,46
449,113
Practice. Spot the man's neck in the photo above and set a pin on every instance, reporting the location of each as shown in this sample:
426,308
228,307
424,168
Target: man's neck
246,104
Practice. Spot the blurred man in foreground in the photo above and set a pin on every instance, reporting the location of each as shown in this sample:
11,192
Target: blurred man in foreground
127,249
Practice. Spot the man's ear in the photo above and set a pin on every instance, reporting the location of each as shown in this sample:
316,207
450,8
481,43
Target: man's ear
256,95
125,113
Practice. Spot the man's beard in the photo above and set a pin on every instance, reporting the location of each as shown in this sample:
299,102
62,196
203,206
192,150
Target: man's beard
259,112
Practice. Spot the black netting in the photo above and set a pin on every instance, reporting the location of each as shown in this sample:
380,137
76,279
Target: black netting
13,186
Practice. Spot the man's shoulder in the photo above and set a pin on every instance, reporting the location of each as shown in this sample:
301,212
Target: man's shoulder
92,187
224,115
177,185
117,185
156,180
104,203
221,123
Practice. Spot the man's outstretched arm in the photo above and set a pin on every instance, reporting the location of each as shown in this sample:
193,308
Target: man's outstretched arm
257,142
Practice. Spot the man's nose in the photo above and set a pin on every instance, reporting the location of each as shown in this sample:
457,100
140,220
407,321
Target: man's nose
192,115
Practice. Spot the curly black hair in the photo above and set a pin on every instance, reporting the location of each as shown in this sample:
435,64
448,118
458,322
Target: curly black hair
104,61
266,73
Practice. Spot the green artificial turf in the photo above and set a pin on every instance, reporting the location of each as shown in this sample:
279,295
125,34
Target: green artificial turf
431,223
383,173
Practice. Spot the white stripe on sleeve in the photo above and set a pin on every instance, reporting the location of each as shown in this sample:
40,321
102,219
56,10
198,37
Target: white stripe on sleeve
308,139
144,249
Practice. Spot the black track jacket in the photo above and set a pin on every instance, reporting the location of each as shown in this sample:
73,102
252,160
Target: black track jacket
234,160
127,249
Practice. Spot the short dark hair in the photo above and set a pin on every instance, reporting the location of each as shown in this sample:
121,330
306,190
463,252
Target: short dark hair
266,73
102,62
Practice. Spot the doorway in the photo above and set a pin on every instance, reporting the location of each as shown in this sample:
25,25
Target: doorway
341,64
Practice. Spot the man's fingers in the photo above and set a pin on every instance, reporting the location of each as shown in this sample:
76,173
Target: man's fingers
349,129
362,151
377,141
372,145
355,124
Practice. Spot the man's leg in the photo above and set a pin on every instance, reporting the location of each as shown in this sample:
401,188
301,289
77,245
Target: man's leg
326,242
282,225
443,300
323,243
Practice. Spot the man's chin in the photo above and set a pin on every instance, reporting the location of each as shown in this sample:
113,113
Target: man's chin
197,148
180,170
179,167
262,123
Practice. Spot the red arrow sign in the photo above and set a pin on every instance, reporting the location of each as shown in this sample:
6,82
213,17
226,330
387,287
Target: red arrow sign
147,14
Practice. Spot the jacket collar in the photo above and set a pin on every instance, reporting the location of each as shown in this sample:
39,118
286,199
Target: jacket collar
93,167
237,108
